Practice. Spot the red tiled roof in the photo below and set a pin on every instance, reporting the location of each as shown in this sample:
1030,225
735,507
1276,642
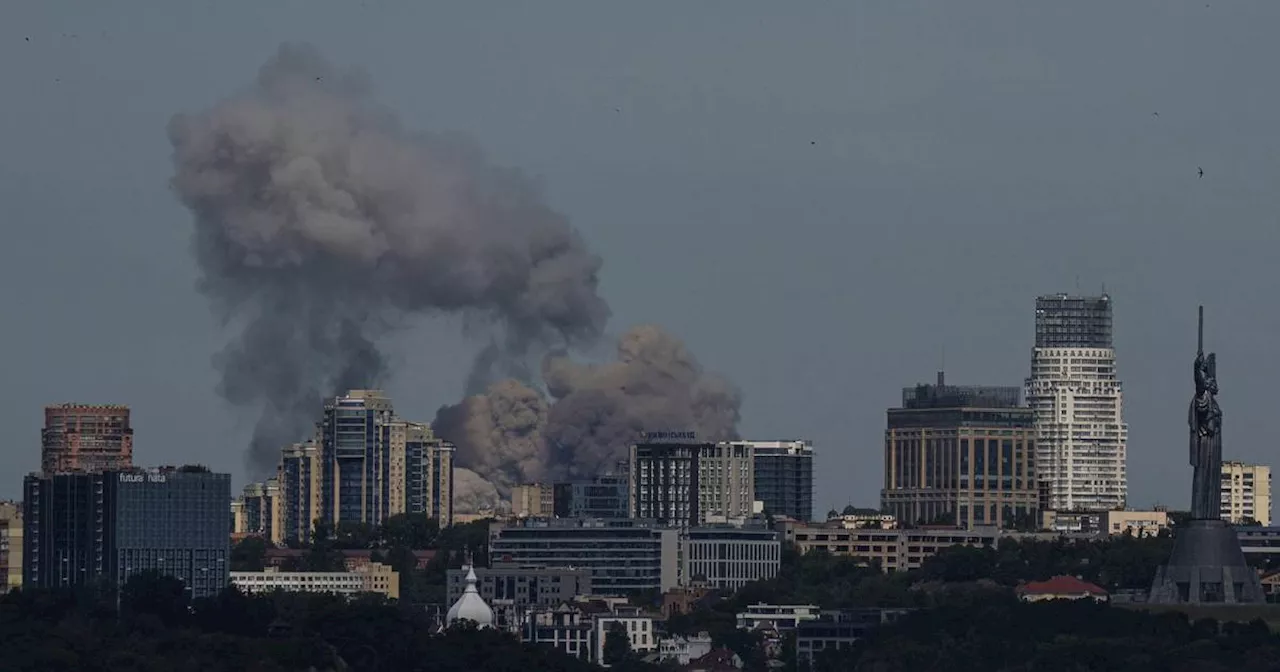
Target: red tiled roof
1061,585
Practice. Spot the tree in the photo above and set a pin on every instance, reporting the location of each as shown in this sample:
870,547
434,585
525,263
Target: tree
151,593
249,555
410,530
617,645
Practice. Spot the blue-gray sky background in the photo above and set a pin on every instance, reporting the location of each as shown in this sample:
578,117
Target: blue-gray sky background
818,197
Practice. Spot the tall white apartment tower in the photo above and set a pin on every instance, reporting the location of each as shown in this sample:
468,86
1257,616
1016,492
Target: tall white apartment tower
1081,435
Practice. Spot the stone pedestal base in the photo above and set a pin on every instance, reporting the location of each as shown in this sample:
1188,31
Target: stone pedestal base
1206,567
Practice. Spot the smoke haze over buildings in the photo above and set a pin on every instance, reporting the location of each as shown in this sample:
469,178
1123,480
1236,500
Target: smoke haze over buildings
321,223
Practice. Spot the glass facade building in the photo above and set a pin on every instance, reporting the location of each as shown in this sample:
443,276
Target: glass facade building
622,555
356,445
784,477
109,526
602,497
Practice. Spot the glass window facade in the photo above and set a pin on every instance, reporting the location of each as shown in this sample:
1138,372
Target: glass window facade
116,524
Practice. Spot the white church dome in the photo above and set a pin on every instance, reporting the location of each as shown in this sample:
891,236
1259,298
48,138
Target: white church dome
471,606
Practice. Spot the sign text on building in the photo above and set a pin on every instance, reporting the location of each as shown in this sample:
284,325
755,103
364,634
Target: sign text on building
139,478
670,436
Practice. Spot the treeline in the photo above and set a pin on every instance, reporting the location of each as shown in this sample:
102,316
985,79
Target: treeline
391,543
1005,635
956,578
155,628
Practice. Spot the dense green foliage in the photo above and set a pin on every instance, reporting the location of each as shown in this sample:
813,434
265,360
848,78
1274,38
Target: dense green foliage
1004,635
1121,562
157,630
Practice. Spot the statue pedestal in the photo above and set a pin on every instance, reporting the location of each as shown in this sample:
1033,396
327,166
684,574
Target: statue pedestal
1206,567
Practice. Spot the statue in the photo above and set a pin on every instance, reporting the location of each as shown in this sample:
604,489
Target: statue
1205,420
1207,565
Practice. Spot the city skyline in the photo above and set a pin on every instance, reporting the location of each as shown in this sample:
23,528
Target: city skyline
978,159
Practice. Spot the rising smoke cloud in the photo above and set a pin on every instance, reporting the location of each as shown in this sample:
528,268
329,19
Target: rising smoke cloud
513,434
321,224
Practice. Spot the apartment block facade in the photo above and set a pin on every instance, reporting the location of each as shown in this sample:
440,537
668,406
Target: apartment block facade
1081,436
85,437
690,484
364,465
960,455
784,477
1246,493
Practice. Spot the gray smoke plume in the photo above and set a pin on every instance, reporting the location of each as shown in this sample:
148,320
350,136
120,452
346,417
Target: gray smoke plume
512,434
321,223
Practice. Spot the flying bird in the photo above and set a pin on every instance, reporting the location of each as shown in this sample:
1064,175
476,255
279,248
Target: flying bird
1200,170
1155,114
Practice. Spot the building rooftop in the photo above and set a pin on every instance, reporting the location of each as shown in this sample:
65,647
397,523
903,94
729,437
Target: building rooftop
1061,585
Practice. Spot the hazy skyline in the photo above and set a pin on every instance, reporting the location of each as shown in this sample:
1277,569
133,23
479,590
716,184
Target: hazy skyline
817,199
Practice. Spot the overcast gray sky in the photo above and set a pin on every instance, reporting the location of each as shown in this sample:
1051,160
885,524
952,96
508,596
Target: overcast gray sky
818,197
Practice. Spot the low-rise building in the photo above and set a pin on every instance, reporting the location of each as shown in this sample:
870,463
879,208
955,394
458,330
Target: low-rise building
892,550
370,578
564,627
839,629
777,616
622,555
638,626
1061,588
522,586
729,557
1137,523
681,650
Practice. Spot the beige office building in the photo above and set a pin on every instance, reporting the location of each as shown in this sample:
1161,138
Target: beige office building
892,550
1246,493
532,500
960,455
10,546
370,578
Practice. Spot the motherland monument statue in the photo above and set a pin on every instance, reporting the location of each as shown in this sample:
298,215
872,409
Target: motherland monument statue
1207,565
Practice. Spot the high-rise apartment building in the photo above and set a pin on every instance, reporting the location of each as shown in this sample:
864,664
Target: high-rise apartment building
85,437
1246,493
262,511
1081,435
428,474
82,527
689,484
960,455
364,465
784,477
356,440
299,482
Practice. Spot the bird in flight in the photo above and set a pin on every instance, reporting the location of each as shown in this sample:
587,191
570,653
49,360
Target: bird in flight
1200,170
1155,114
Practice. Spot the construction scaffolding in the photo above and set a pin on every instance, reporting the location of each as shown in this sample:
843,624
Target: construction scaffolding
1064,321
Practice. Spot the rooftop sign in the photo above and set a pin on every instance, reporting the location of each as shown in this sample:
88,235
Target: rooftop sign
670,436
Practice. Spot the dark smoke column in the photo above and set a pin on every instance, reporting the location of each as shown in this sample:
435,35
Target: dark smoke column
320,223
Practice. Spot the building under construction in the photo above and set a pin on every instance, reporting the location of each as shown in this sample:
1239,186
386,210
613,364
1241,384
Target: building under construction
1064,321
